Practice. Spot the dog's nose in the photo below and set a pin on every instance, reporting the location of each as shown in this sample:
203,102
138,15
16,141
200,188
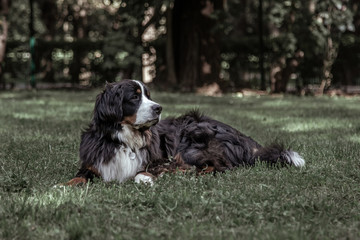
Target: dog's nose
157,109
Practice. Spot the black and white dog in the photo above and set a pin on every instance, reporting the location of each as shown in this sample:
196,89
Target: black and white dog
126,139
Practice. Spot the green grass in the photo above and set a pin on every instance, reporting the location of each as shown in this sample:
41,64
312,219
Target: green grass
39,140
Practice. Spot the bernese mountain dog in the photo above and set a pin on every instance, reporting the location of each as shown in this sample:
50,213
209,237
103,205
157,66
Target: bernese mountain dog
127,140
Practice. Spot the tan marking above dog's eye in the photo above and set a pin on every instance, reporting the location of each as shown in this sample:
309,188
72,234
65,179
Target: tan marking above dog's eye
138,90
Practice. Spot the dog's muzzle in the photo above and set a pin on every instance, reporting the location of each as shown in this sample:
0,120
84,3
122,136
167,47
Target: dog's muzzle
152,118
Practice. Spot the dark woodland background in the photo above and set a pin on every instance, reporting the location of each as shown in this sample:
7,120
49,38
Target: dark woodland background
300,46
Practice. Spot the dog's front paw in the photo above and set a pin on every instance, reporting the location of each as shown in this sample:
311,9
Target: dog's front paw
145,177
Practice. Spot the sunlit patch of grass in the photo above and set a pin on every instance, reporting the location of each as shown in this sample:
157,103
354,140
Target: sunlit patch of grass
315,124
26,116
355,138
58,195
8,95
278,103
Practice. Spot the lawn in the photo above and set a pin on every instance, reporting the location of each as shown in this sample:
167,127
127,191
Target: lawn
39,140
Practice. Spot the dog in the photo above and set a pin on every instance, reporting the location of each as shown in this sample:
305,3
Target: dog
127,140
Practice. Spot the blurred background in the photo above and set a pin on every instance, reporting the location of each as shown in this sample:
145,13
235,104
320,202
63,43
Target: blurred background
210,46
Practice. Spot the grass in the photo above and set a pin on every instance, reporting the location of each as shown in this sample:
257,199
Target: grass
39,140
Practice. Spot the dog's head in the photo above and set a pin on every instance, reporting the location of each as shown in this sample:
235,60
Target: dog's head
126,102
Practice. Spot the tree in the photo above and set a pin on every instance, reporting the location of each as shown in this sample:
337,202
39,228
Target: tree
49,14
191,43
140,27
333,18
346,70
4,28
284,46
196,45
305,31
124,46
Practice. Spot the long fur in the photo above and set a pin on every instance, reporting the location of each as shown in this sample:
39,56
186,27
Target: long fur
125,138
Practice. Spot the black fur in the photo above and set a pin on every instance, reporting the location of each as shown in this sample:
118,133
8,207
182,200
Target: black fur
202,141
193,139
96,141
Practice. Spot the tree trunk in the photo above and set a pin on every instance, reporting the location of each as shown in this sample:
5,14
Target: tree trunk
47,67
4,25
261,46
185,38
280,73
170,62
210,55
281,84
197,54
79,32
49,15
330,56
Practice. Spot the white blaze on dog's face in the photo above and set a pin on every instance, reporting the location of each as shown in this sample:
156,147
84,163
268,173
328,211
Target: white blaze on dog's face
149,112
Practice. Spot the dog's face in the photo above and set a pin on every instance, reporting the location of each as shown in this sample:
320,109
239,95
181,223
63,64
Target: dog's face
127,102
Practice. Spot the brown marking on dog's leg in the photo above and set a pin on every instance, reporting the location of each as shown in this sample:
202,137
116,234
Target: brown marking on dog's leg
77,181
180,164
206,170
178,159
94,171
82,177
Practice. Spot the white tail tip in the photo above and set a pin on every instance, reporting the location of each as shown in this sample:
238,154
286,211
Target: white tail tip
295,159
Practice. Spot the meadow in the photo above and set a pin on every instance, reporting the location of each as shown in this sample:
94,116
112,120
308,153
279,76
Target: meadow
39,141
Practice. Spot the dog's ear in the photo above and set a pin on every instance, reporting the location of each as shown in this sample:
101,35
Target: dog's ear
108,105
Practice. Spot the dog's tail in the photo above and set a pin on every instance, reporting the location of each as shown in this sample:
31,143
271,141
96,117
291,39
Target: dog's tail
276,154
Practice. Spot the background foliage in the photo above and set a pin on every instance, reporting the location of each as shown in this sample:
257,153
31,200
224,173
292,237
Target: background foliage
184,45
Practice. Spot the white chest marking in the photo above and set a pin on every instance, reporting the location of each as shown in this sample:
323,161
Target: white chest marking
129,159
130,137
123,166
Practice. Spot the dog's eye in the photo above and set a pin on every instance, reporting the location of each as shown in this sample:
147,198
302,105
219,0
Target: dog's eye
135,97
